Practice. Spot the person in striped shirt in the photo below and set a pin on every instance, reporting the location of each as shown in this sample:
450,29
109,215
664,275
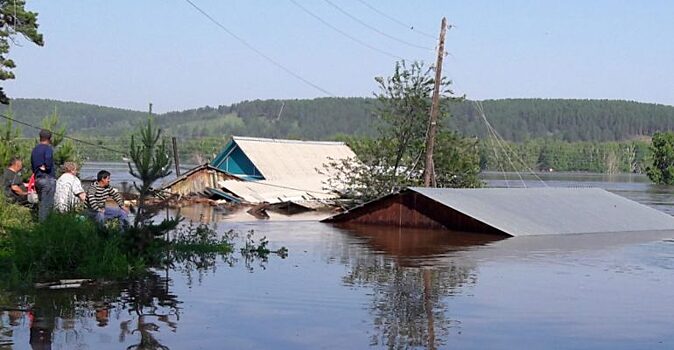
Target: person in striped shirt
97,195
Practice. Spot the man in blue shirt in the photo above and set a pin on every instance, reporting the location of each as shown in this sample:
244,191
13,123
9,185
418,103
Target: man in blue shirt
42,163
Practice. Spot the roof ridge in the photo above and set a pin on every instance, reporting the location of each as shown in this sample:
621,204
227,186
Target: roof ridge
270,140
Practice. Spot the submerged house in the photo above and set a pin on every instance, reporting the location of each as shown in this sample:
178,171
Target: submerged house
509,211
197,181
279,171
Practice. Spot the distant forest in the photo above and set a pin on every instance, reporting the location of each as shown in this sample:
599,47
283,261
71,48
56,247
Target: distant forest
517,120
563,135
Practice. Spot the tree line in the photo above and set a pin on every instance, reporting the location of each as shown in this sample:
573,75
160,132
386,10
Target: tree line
517,120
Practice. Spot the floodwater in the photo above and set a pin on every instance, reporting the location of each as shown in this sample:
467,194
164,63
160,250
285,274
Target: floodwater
362,288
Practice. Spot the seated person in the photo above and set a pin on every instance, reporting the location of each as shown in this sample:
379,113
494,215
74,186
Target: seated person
69,192
12,185
98,193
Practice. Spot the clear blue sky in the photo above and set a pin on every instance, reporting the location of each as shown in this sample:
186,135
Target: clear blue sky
126,53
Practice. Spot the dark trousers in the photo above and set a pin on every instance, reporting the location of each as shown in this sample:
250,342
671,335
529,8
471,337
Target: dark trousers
45,187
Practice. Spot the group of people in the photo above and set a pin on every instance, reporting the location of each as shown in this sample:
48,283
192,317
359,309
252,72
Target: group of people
66,193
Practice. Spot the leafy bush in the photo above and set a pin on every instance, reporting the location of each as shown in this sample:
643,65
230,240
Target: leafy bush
662,153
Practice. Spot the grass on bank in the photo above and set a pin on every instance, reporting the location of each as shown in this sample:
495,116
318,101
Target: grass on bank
73,246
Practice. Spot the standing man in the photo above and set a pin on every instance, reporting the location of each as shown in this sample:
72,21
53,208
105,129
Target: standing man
42,163
12,185
69,192
98,193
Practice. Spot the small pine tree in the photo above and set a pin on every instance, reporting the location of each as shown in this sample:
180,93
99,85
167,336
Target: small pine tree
64,149
151,162
9,145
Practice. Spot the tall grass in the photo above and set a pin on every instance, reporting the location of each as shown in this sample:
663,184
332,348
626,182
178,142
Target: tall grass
67,246
12,216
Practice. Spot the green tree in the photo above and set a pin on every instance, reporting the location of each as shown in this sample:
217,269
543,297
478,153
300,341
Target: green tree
64,148
9,142
457,161
662,156
151,162
14,20
394,159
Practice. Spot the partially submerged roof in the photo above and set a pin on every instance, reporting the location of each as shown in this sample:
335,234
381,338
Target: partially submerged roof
513,211
280,170
197,179
276,159
297,190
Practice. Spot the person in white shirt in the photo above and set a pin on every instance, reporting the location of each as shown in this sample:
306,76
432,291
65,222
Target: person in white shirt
69,192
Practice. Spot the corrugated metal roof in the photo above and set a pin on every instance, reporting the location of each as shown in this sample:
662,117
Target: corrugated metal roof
301,189
541,211
187,174
292,159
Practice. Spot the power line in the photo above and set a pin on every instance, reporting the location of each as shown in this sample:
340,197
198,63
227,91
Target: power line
62,135
344,33
260,53
393,19
365,24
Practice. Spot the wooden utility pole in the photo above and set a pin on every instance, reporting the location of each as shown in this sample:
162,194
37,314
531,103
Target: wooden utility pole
176,157
429,171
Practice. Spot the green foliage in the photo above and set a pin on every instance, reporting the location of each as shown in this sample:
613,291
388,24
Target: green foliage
258,251
662,153
603,131
143,238
14,20
517,120
198,247
13,216
68,246
10,143
395,159
557,155
457,161
64,149
200,238
404,108
151,162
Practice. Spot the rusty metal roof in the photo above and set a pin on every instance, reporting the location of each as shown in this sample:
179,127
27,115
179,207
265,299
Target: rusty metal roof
542,211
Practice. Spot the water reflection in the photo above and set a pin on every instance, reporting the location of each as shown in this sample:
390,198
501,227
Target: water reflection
417,247
408,284
63,318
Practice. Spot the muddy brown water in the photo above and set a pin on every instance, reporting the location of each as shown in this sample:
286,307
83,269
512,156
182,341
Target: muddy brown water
360,288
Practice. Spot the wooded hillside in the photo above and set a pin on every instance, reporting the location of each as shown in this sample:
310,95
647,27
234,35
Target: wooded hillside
325,118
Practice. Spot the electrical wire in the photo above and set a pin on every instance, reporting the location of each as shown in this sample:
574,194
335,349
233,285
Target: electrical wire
366,25
506,148
381,13
258,52
62,135
360,42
